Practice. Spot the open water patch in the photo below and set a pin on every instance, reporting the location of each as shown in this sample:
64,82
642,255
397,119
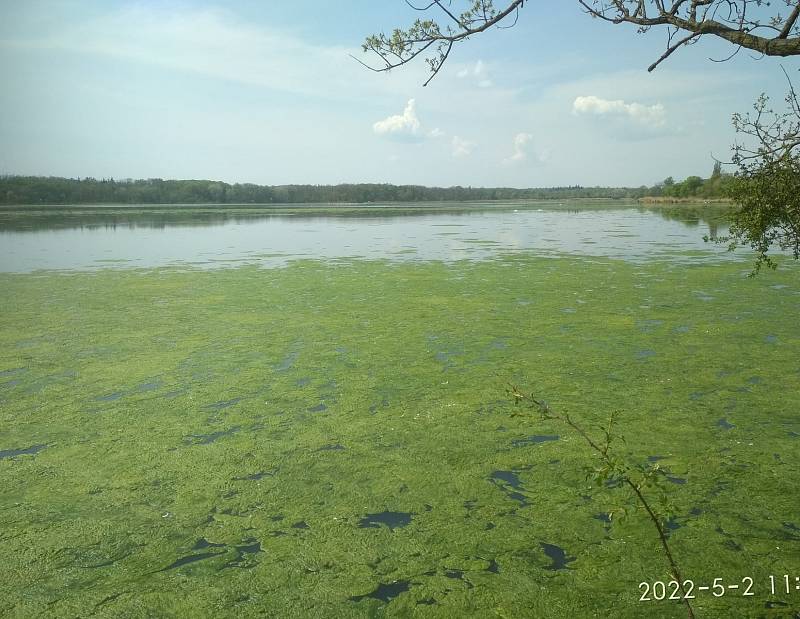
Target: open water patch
148,386
392,520
499,343
671,525
241,559
189,559
385,592
255,476
12,371
221,404
288,361
110,397
27,451
459,575
559,560
509,483
245,552
203,543
536,439
649,325
206,439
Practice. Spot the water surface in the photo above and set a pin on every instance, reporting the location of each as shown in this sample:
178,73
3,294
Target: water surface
88,238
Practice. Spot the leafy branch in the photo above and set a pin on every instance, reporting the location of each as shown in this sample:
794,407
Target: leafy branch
767,183
615,471
745,24
428,36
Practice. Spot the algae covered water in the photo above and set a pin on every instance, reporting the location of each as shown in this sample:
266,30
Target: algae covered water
334,438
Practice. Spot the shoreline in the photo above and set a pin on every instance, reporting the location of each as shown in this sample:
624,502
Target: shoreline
696,200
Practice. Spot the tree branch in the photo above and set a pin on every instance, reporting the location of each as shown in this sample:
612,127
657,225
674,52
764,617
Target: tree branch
730,20
671,49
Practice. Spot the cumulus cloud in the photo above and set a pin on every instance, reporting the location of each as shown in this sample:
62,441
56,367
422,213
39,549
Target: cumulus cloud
653,116
523,151
435,133
521,142
406,124
461,147
479,72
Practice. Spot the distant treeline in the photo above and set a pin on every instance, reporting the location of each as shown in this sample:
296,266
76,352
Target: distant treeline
695,187
54,190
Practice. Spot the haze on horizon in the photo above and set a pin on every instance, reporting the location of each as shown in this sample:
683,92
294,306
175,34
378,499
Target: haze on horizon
241,92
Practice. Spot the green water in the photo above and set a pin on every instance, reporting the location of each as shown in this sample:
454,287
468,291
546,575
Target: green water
335,440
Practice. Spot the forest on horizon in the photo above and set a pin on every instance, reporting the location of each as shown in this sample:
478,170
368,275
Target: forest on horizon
29,190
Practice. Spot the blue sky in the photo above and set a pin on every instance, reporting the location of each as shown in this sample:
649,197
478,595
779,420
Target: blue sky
262,92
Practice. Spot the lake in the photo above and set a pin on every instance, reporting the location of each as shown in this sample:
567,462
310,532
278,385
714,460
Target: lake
91,238
336,435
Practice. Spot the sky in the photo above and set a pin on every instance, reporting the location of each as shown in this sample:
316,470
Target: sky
268,93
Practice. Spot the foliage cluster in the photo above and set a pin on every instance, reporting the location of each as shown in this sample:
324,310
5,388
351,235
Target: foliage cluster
767,183
718,185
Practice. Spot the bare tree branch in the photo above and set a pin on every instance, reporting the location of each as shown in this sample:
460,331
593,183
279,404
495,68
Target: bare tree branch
671,49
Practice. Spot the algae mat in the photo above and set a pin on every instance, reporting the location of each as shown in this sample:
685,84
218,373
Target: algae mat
335,439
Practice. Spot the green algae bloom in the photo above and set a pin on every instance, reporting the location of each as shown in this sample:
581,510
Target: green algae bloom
335,439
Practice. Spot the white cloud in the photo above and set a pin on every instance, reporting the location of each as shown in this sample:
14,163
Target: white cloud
653,116
523,151
435,133
406,124
479,72
211,43
462,147
521,141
